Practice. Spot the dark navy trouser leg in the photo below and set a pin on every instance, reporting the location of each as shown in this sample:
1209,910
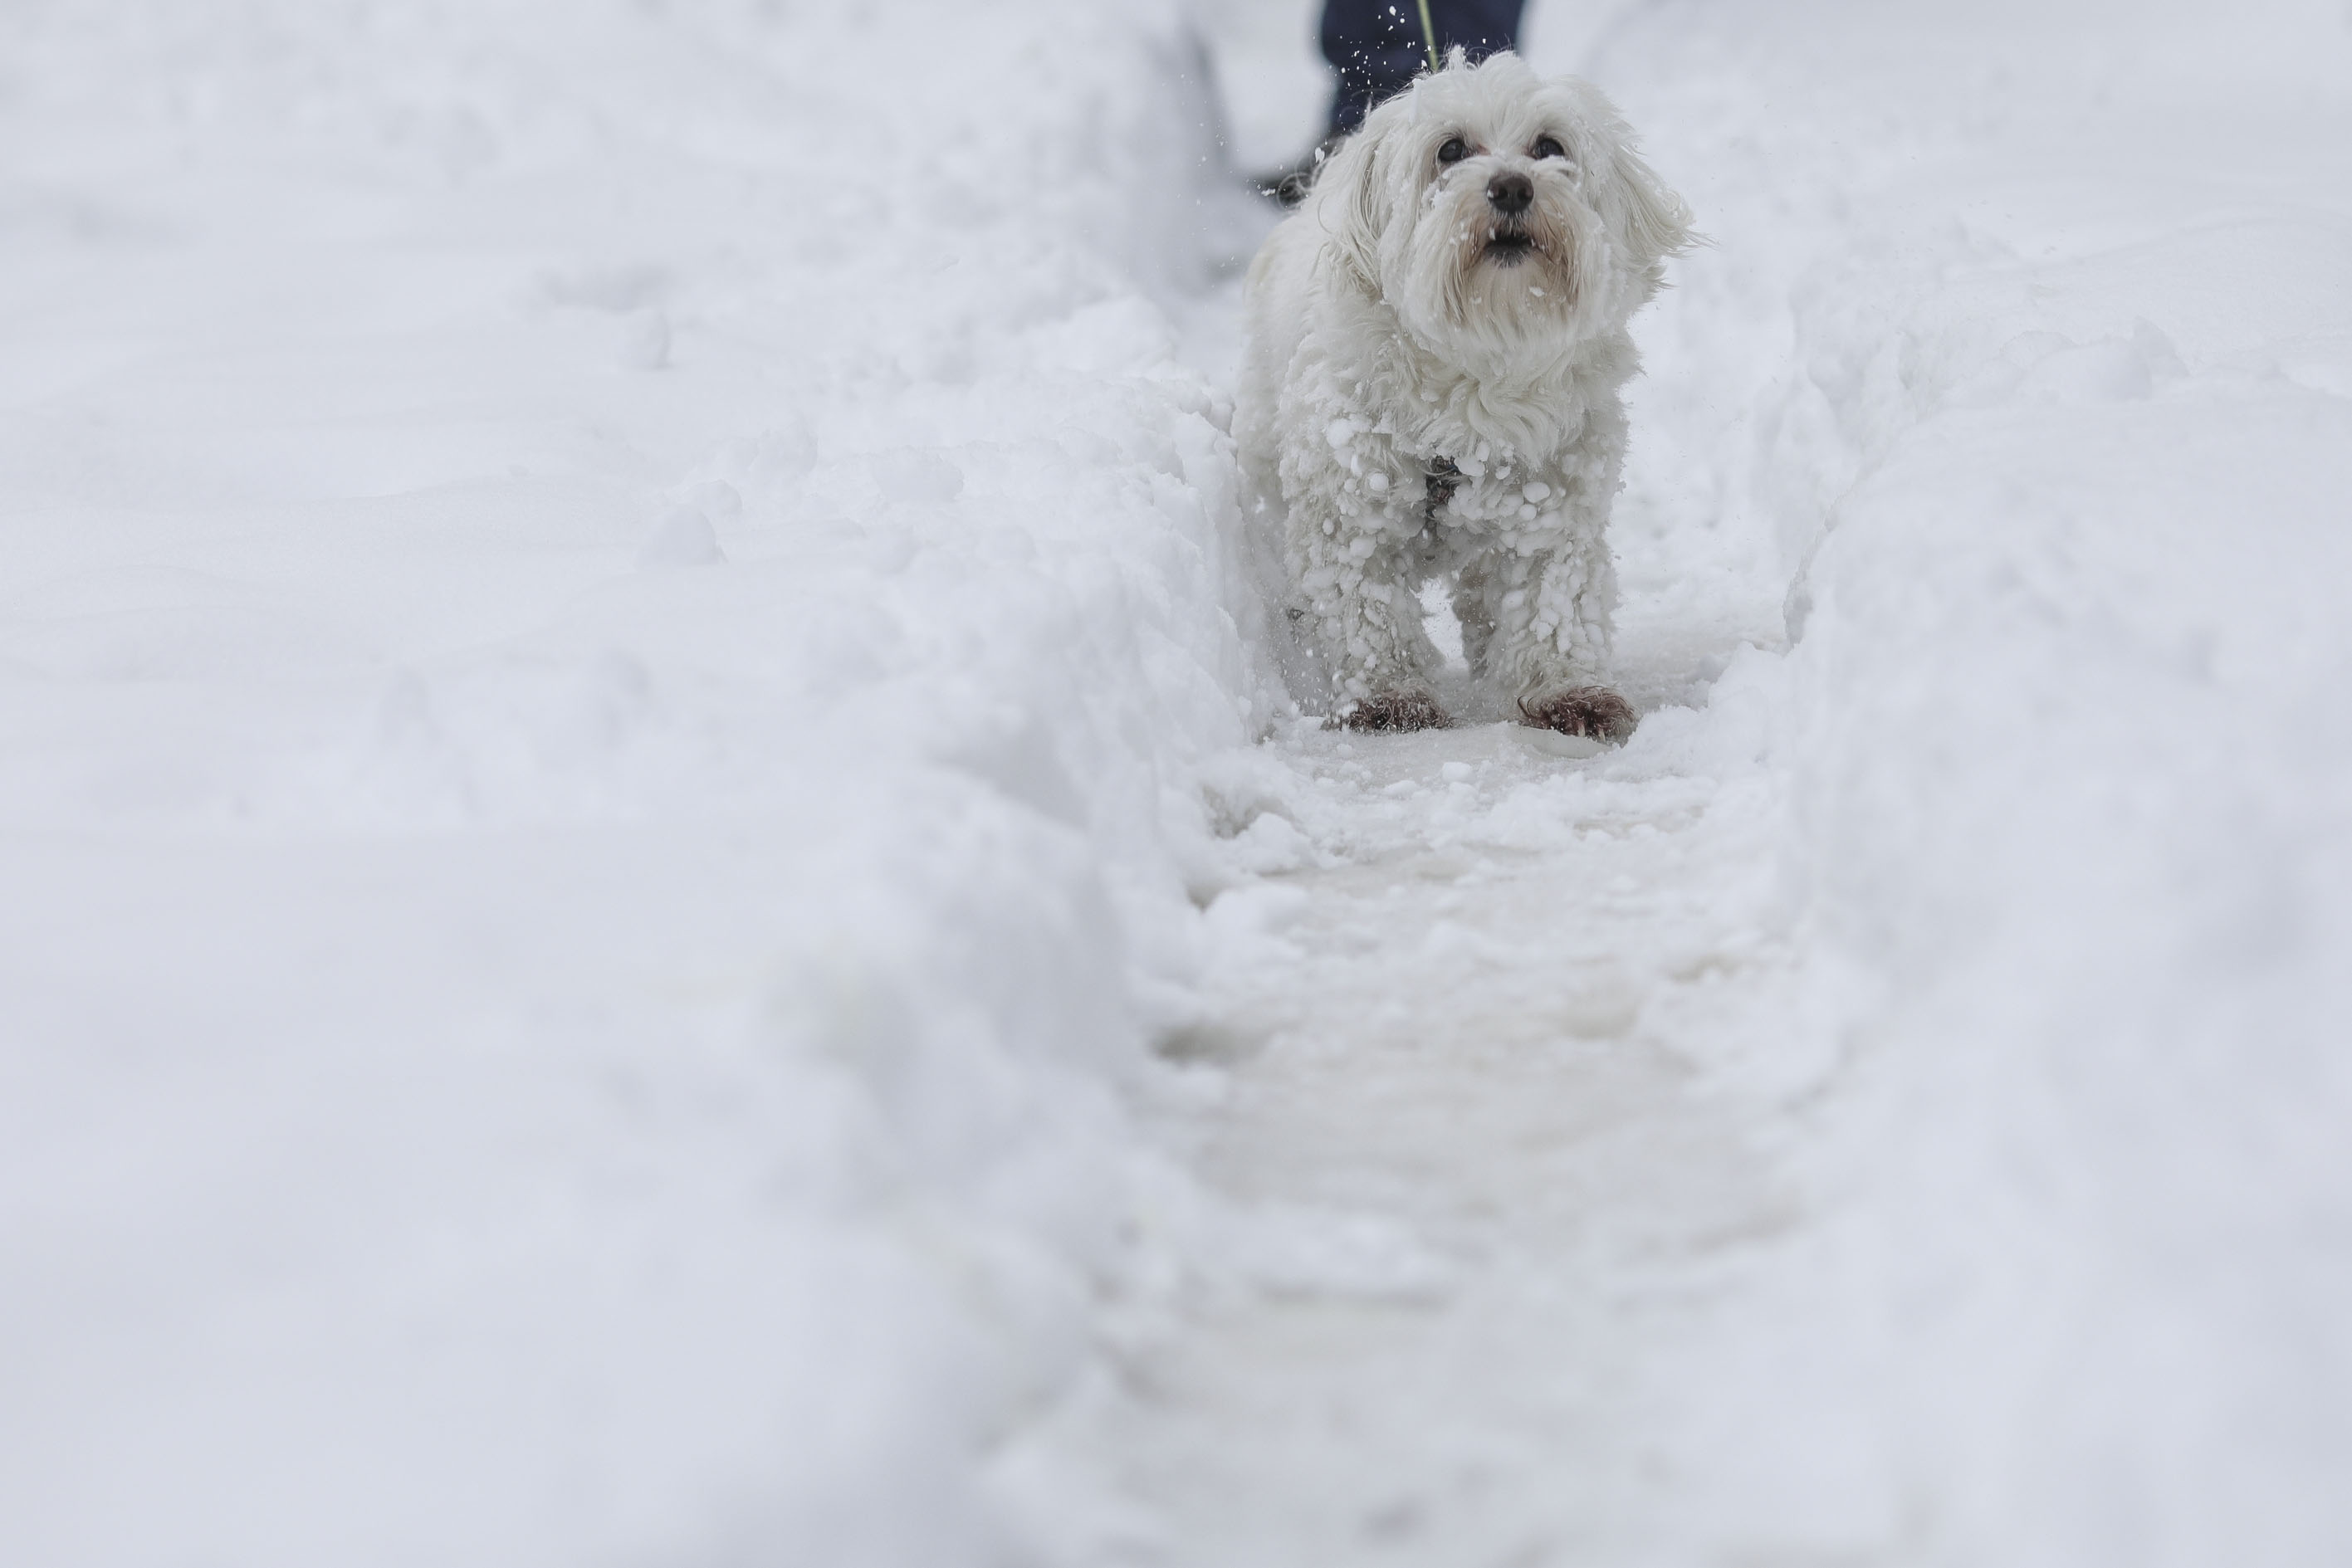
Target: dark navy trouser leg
1376,44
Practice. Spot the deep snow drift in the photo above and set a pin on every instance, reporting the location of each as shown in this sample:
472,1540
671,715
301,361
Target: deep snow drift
597,640
2059,430
645,921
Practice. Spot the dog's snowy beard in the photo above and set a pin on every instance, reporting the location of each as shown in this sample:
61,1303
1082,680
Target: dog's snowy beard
1472,274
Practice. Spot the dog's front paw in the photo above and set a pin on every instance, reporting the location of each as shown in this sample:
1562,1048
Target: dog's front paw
1594,711
1393,712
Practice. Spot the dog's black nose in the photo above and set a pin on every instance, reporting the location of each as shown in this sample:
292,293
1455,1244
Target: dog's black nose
1511,194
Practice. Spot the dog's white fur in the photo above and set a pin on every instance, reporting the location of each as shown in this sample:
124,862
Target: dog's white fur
1390,334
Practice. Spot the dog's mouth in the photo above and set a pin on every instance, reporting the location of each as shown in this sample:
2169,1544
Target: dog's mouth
1509,245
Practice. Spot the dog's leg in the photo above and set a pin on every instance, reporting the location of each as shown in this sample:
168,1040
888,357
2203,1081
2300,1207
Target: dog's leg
1551,612
1358,583
1477,619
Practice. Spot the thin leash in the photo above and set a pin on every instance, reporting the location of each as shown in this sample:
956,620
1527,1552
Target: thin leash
1429,36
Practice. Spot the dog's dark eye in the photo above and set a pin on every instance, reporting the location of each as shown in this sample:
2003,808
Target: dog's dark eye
1454,152
1545,147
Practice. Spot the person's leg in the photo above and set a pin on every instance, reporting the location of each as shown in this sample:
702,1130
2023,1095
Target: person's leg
1376,45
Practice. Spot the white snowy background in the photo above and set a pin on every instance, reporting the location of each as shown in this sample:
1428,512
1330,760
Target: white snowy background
653,909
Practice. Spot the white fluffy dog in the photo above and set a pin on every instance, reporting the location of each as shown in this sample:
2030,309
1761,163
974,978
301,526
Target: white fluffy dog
1436,343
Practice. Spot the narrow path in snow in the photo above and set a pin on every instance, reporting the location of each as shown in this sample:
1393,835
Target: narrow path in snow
1475,1093
1462,1113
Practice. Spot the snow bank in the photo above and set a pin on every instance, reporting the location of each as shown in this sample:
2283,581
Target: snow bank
2027,349
607,607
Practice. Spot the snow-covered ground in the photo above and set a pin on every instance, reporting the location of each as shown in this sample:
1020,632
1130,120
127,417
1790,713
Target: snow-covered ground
655,911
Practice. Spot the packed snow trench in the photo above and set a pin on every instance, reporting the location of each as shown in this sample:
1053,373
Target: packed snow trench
656,908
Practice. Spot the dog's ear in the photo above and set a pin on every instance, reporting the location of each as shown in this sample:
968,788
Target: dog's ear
1657,223
1355,213
1651,220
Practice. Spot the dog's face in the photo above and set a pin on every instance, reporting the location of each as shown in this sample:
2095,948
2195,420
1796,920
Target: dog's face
1496,211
